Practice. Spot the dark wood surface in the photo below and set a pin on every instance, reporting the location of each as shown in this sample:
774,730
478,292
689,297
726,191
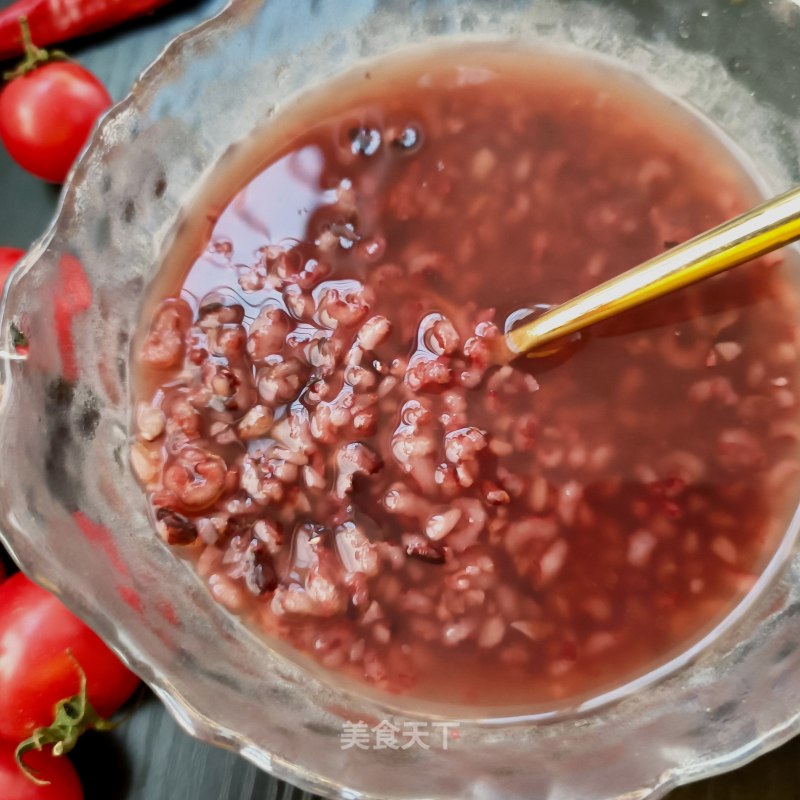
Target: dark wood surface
148,757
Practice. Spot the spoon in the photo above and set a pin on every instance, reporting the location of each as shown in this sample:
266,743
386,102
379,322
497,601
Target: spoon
765,228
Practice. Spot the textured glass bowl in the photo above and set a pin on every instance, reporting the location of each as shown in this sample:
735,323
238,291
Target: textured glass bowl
75,519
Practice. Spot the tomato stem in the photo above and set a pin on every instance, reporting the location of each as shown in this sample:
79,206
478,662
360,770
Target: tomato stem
31,50
34,56
73,716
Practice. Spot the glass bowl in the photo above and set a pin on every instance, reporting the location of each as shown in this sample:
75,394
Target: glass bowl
75,519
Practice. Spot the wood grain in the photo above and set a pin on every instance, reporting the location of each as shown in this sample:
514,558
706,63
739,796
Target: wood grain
149,757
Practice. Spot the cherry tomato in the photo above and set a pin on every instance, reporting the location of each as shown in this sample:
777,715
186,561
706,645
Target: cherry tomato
9,256
63,782
40,643
74,296
47,114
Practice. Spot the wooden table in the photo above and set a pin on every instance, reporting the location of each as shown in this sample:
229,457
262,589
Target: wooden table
148,757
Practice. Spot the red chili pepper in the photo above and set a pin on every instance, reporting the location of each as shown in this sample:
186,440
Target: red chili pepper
57,20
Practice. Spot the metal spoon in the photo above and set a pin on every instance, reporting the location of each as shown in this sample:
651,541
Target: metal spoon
767,227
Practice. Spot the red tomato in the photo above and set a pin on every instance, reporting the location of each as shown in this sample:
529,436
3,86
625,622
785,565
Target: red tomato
15,785
74,296
47,114
9,256
40,641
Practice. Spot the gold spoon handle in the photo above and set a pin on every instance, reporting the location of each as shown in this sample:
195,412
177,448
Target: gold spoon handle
766,228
